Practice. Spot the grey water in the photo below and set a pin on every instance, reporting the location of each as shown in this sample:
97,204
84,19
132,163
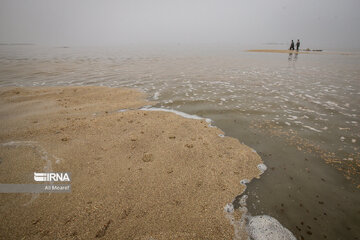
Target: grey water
300,112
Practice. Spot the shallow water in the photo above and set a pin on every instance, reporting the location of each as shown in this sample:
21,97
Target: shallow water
300,113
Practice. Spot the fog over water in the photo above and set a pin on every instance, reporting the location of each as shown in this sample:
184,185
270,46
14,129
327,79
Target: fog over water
326,24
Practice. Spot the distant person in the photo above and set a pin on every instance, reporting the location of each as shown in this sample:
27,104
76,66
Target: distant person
292,45
297,45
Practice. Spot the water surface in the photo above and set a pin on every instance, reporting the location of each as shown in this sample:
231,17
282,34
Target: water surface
299,112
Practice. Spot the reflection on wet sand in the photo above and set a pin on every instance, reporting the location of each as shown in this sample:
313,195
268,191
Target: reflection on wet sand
290,58
293,58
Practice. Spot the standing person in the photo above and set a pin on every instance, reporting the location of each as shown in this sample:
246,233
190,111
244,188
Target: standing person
297,45
292,45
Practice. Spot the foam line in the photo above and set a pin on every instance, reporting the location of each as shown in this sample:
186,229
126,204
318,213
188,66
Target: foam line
311,128
182,114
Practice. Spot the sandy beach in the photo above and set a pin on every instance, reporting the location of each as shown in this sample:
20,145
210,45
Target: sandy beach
134,174
186,120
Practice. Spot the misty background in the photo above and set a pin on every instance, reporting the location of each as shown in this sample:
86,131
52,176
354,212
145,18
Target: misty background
324,24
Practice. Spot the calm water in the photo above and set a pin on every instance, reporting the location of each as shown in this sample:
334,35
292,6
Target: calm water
300,113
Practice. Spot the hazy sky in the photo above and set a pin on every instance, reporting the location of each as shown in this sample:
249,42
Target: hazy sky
327,23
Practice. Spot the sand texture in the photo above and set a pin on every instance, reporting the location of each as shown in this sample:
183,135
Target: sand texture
134,174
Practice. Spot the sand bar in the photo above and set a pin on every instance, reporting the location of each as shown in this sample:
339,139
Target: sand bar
134,174
299,52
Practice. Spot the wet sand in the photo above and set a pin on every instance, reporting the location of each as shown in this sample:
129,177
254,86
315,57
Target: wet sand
135,174
294,51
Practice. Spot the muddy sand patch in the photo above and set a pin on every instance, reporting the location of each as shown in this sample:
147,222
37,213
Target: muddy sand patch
134,174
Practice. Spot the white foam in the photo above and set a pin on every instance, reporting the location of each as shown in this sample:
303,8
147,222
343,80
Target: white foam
332,104
267,228
244,181
156,95
311,128
262,167
262,227
239,225
182,114
229,208
291,117
309,96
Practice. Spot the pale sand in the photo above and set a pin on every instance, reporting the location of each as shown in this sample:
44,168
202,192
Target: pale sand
294,51
135,174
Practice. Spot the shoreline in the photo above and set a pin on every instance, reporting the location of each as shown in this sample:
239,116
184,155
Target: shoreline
135,174
297,52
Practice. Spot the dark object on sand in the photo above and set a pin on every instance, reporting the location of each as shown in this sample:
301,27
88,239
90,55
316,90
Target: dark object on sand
292,45
297,45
